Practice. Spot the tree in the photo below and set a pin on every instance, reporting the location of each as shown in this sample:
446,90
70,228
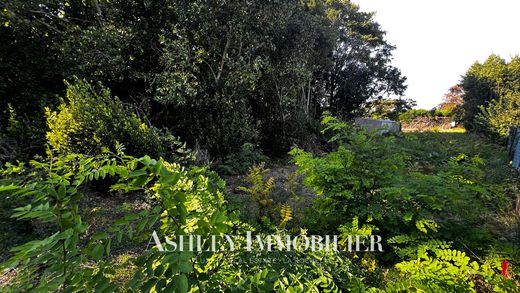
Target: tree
361,61
499,115
218,73
451,105
30,70
452,99
491,96
482,83
390,108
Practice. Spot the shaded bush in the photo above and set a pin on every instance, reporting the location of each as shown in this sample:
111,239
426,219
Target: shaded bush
240,162
21,138
91,121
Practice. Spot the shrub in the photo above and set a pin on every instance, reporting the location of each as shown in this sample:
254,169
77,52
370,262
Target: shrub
355,179
439,268
414,113
59,262
415,194
499,115
241,162
12,232
92,121
383,183
443,113
21,138
183,201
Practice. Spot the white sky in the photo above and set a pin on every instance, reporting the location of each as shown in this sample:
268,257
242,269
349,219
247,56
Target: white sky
437,41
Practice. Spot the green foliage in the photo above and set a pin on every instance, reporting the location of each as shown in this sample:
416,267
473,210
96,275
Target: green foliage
12,232
59,261
357,196
414,113
357,179
417,192
31,69
400,184
363,39
499,115
54,199
286,213
91,121
183,202
390,109
295,271
490,91
242,161
438,268
21,137
207,71
260,189
226,82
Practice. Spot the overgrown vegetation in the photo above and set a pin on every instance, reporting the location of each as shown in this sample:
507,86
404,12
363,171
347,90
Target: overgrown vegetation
417,191
205,70
117,119
91,121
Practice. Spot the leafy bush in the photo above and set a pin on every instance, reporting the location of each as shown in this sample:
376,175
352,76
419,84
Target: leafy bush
59,261
383,182
12,232
411,191
414,113
438,268
242,161
296,271
442,113
92,121
499,115
183,201
357,179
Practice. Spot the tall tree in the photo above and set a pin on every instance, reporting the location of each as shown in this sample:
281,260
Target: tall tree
482,83
497,116
361,60
219,73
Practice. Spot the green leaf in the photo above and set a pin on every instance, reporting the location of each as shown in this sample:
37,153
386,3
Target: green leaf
8,188
185,267
182,285
137,173
97,251
99,236
170,179
108,246
221,227
147,286
139,181
159,271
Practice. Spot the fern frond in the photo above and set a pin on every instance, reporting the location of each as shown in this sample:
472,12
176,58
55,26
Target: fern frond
286,213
